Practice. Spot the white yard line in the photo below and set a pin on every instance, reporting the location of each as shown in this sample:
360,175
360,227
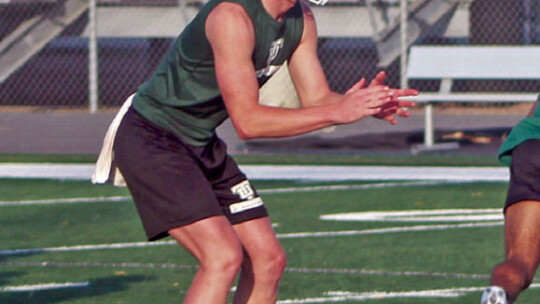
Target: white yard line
38,287
437,215
12,252
263,191
385,230
367,272
342,296
67,201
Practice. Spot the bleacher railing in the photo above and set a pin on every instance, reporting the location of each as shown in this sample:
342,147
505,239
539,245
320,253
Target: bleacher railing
47,47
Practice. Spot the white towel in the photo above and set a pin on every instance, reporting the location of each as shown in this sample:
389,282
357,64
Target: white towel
105,170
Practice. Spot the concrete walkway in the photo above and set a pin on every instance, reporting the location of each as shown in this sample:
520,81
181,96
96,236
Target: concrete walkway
70,132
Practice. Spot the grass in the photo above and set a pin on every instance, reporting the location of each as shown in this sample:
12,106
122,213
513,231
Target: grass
318,266
289,159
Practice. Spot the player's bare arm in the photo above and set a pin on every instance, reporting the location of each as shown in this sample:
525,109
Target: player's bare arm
231,35
305,69
312,86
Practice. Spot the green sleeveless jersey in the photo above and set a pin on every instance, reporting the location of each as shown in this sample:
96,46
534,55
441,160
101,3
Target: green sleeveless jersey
183,95
527,128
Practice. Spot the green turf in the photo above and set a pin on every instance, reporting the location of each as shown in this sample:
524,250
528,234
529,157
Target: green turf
317,266
294,159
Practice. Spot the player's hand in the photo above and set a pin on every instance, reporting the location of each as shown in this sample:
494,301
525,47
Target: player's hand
397,106
360,102
378,80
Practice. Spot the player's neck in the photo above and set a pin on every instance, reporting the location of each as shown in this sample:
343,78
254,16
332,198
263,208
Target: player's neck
278,8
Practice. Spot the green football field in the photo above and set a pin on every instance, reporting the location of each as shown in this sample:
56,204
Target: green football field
347,242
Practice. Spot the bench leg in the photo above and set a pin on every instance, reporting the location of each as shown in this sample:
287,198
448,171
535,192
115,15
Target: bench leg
429,135
428,126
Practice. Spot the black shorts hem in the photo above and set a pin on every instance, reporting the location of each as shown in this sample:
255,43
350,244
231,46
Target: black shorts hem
518,199
162,232
249,215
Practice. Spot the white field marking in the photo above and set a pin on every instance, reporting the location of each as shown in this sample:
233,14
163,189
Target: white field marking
38,287
67,201
47,170
280,236
84,247
341,296
439,215
356,187
98,265
387,273
385,230
340,173
270,172
365,272
264,191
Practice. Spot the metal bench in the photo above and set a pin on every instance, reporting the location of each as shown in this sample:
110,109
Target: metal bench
449,63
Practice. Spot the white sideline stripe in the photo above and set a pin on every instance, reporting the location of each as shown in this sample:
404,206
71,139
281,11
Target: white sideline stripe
341,296
385,230
264,191
280,236
355,187
38,287
387,273
288,269
84,247
67,201
339,173
98,265
270,172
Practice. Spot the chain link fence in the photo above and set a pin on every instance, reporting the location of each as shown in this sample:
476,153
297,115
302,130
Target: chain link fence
44,53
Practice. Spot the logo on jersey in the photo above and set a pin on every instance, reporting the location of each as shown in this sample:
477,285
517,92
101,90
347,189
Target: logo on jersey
270,69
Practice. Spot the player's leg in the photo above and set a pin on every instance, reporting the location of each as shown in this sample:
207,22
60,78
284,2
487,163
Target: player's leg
173,197
522,237
522,226
264,262
215,245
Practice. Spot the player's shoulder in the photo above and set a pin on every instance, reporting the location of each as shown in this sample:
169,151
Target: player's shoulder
229,10
228,13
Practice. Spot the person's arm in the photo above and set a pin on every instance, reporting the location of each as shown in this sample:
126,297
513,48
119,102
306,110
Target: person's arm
231,35
312,86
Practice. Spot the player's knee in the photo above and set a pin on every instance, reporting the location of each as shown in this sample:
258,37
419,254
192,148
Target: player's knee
279,260
274,264
227,262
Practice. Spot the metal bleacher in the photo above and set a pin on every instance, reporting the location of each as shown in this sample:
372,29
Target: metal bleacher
33,33
424,16
40,21
21,39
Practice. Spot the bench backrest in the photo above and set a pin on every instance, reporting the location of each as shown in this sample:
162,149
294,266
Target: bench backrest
474,62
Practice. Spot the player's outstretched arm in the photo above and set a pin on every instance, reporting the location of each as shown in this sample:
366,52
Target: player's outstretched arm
231,35
312,86
396,107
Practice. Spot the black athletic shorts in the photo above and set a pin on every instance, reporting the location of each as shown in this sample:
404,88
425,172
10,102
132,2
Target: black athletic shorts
174,184
524,173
